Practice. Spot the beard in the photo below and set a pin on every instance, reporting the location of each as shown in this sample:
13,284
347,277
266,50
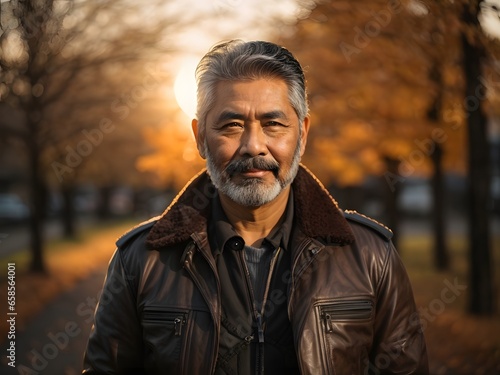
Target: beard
252,192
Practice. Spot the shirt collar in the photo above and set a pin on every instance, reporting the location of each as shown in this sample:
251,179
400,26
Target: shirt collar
224,236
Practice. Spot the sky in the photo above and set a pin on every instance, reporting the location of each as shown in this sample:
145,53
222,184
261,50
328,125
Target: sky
490,18
229,19
224,20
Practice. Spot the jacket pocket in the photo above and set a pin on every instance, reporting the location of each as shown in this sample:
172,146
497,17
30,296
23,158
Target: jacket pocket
346,327
164,330
345,311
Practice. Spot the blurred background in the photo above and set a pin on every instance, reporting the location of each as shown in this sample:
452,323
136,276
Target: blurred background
96,102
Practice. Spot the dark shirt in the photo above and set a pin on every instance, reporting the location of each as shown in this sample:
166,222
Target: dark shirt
258,261
244,275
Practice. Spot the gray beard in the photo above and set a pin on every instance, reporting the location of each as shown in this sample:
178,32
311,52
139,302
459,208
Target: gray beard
253,192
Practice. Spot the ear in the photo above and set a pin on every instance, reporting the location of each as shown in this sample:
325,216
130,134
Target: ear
199,136
303,135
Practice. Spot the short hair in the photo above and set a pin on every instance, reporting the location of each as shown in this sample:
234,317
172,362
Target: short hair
237,60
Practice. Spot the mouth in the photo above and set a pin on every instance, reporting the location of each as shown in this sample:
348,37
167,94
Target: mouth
254,173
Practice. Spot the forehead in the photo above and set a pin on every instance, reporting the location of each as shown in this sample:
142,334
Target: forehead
262,93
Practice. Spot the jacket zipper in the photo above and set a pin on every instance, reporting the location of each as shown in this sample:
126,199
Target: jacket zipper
174,319
256,315
216,319
259,314
345,310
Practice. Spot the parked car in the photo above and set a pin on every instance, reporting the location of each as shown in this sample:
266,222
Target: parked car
416,198
12,209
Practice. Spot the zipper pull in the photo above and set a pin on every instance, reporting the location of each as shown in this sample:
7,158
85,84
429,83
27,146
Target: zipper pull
260,329
328,322
178,322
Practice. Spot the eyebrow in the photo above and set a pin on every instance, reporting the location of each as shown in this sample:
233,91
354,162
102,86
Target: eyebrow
274,114
230,115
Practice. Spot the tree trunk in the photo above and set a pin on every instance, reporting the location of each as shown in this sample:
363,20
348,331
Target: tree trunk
36,197
481,279
441,259
68,212
104,209
32,26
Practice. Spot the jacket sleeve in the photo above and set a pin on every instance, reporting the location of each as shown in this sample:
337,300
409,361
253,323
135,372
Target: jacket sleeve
399,345
115,342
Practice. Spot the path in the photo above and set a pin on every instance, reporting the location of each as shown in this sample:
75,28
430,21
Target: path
17,238
54,341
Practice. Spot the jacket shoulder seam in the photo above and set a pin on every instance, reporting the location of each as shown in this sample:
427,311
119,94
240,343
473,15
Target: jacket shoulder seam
374,225
135,231
385,266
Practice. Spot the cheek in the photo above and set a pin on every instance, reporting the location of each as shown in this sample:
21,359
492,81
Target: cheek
222,151
283,152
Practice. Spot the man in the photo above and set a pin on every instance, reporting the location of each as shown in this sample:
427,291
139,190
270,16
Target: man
253,267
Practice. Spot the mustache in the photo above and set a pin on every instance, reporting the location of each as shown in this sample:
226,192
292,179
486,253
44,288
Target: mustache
244,165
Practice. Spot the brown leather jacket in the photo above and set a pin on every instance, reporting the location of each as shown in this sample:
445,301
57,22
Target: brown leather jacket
350,302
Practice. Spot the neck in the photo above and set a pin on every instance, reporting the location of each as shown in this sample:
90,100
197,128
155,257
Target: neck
253,224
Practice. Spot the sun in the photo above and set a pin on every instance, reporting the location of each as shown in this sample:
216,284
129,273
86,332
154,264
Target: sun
185,87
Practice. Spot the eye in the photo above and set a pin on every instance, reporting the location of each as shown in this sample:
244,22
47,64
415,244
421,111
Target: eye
230,128
230,125
273,123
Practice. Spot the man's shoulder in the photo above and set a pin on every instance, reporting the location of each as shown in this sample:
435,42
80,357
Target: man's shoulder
369,223
135,232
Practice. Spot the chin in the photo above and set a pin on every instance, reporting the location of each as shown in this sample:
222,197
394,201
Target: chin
253,193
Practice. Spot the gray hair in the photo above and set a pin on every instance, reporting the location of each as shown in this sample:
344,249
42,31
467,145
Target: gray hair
237,60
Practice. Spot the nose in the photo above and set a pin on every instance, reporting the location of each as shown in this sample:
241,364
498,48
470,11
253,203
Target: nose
253,142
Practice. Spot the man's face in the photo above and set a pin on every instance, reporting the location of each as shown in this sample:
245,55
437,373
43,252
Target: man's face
252,143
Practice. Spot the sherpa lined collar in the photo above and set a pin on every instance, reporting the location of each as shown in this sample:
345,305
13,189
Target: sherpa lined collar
316,213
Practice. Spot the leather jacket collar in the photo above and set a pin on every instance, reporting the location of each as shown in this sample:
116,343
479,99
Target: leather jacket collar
317,214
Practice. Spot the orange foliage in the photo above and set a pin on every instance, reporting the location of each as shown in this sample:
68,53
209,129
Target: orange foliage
175,159
368,67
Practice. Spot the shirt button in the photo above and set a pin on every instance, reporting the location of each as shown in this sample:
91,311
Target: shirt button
236,243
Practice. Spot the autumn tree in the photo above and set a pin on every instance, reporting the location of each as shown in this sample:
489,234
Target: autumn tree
436,38
386,90
367,91
53,52
481,297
